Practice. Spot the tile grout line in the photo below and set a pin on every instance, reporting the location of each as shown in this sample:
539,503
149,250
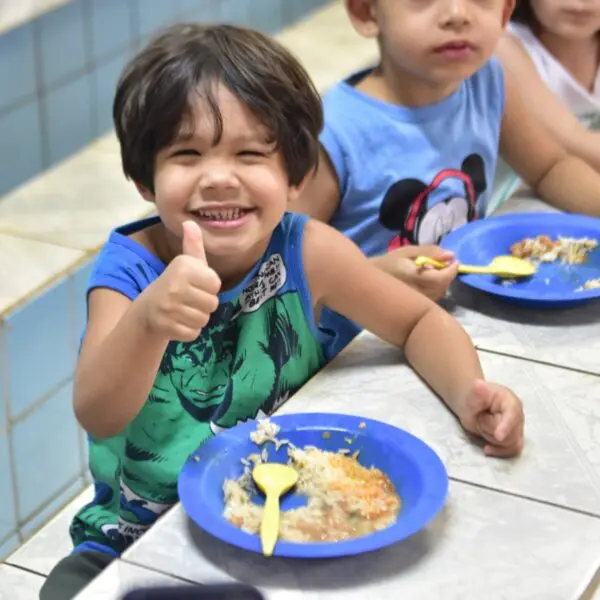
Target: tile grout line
156,570
90,67
38,73
51,241
24,569
71,299
523,496
537,361
40,238
13,475
35,405
47,284
53,496
9,444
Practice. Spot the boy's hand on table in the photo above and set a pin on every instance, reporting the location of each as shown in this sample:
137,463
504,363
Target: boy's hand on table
494,413
431,282
180,302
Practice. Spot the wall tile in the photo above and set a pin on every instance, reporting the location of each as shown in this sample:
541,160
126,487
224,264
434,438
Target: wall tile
292,11
8,546
3,384
110,26
195,5
266,15
203,11
46,452
62,42
67,112
236,12
8,523
20,146
16,584
155,14
105,78
39,348
41,553
17,70
52,508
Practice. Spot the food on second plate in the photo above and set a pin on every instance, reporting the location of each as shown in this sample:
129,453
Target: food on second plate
572,251
590,284
344,499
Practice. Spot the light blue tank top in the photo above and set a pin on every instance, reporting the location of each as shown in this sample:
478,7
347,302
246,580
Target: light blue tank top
410,175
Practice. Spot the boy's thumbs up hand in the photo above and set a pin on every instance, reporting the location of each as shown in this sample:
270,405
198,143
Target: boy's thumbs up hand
180,302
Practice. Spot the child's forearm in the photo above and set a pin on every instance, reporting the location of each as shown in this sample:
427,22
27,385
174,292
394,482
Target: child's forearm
113,379
573,186
588,148
456,366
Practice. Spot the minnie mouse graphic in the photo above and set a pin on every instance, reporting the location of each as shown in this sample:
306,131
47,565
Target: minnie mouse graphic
405,205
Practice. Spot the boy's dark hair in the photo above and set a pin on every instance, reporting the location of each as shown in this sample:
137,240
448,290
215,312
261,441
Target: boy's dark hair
524,14
154,92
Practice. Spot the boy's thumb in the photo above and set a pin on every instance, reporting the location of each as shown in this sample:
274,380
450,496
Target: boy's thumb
193,244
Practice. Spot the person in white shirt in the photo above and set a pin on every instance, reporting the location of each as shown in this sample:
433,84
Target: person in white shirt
552,49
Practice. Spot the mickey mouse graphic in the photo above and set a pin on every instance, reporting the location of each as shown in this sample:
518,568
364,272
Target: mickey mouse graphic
405,207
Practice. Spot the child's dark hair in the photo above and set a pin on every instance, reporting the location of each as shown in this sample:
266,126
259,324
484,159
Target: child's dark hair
154,92
524,14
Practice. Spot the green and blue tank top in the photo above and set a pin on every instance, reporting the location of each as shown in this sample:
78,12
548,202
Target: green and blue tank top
258,348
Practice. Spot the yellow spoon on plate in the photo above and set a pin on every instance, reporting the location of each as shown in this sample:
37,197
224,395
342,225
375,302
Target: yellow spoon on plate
502,266
274,480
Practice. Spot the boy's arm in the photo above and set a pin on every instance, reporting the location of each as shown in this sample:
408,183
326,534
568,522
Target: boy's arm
436,346
321,194
118,362
554,115
564,181
125,341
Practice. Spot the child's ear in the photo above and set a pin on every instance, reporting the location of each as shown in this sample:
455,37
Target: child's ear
294,191
145,193
362,15
509,7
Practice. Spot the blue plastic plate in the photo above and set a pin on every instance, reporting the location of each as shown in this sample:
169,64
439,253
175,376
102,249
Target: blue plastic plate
554,285
414,468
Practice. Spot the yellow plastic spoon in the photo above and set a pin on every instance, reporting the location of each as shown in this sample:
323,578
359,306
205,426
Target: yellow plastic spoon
502,266
274,480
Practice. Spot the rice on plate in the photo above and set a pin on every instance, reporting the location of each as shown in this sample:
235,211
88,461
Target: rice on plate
344,499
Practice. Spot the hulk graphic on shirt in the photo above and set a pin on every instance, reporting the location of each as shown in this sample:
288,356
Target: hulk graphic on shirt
254,353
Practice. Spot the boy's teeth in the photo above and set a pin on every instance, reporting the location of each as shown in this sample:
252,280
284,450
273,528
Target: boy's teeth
230,214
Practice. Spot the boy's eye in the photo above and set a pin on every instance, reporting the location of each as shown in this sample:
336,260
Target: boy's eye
186,152
251,153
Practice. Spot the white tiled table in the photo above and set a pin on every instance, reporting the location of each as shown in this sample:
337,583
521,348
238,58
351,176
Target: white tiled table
17,584
518,529
512,529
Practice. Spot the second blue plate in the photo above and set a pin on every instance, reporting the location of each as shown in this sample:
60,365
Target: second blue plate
554,285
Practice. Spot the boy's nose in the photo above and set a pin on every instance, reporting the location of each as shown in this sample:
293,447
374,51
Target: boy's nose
217,179
456,13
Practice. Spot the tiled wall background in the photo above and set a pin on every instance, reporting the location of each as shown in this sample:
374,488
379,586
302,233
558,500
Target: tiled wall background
58,72
42,450
57,77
